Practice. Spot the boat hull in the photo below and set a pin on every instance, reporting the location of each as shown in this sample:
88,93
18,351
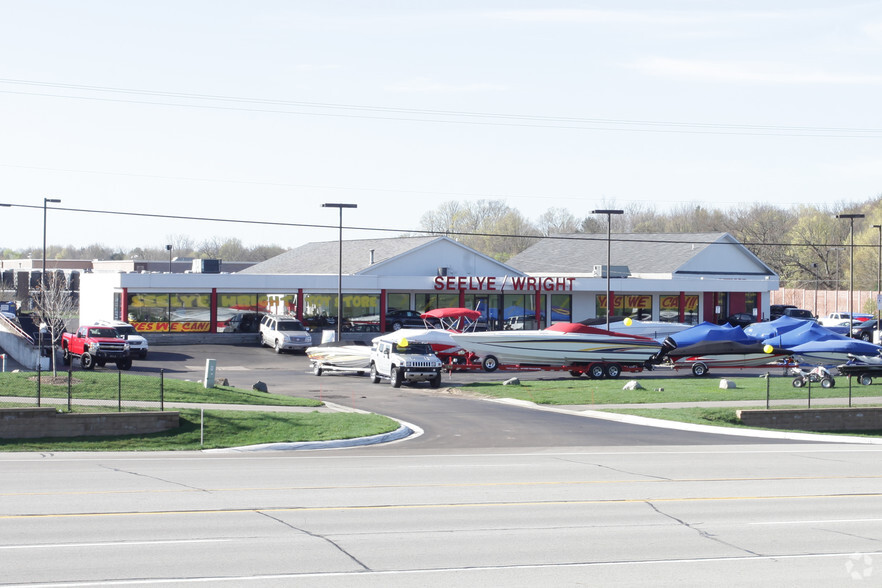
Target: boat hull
557,349
341,356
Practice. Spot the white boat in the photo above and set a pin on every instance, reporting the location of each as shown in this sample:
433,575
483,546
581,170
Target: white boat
340,357
562,344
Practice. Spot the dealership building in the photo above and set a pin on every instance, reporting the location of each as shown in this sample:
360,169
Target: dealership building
687,278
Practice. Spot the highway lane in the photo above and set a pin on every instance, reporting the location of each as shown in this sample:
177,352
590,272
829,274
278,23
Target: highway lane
791,515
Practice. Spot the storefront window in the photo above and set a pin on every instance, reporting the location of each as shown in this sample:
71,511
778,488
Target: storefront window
170,313
561,308
361,312
397,301
638,307
669,308
520,312
427,302
239,313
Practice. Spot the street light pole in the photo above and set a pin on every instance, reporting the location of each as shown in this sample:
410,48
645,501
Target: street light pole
608,214
340,207
879,285
43,282
851,218
169,249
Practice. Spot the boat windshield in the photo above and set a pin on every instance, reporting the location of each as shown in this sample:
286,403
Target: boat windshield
413,349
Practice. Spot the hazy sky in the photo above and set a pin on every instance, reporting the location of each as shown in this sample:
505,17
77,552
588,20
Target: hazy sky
263,110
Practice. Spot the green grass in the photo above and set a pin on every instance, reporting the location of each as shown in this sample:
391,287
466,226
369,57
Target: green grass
101,385
224,429
719,417
584,391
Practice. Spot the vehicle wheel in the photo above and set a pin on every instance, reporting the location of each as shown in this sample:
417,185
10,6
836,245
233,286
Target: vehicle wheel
866,337
436,381
395,377
375,377
596,371
798,382
865,379
65,357
827,382
699,369
87,362
396,325
613,370
124,364
490,363
317,369
262,341
277,347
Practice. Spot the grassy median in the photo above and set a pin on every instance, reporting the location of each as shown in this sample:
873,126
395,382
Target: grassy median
107,391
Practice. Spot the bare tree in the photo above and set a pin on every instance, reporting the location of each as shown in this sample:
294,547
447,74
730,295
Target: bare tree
53,306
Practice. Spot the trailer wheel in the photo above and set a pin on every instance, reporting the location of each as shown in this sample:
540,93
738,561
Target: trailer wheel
317,369
596,371
699,369
613,370
87,362
798,382
865,379
490,363
375,377
827,382
395,377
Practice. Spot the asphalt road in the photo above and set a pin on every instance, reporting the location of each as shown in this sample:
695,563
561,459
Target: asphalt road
491,495
449,421
785,515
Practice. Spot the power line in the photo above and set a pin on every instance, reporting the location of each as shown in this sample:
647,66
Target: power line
443,116
572,237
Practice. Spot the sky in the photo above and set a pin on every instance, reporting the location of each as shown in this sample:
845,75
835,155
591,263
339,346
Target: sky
262,111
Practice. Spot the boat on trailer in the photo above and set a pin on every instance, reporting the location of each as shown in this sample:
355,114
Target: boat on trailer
572,346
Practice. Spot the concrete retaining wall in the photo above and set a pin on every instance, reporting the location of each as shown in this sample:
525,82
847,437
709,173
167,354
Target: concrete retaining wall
33,423
823,419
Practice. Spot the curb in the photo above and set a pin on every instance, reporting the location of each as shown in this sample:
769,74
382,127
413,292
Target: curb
405,431
663,424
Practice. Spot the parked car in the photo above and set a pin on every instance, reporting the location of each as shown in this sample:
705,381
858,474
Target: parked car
284,333
740,319
243,322
777,310
864,331
401,319
800,313
138,345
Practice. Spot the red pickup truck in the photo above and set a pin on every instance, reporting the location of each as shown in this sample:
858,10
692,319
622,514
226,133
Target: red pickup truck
96,346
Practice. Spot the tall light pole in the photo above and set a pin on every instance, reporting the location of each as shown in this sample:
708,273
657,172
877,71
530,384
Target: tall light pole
879,284
608,213
851,218
340,206
169,249
43,282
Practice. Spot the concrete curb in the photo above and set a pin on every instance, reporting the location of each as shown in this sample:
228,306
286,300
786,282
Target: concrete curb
663,424
405,431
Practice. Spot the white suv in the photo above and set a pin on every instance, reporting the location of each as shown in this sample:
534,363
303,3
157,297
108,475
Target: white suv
284,333
137,344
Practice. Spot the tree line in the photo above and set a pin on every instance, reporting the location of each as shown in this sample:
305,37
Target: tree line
807,246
